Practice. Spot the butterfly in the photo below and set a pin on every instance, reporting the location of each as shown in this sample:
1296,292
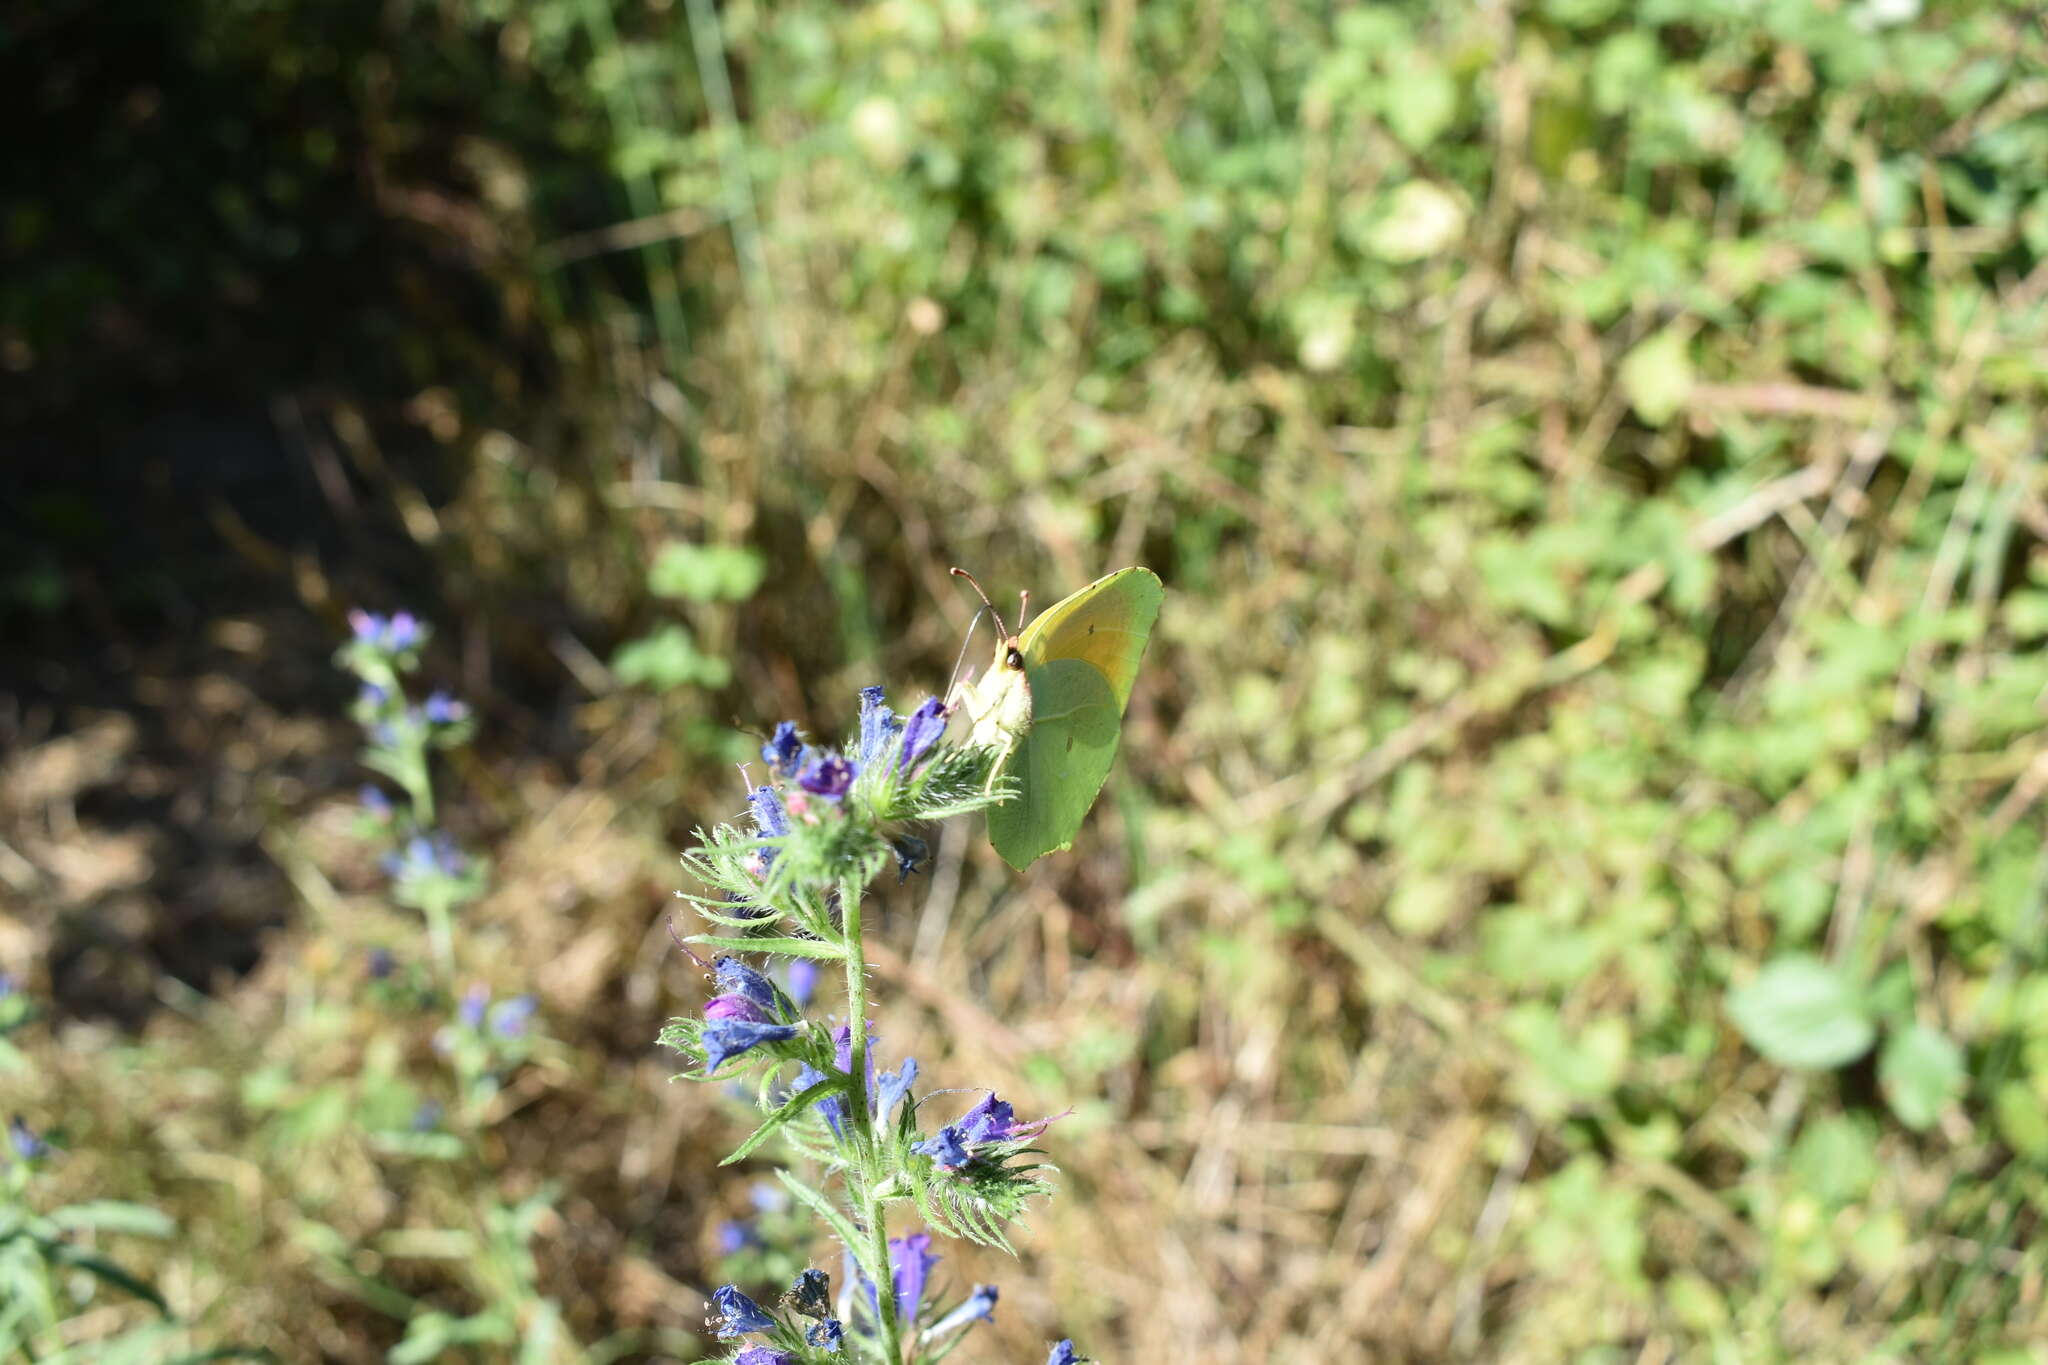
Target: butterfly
1052,703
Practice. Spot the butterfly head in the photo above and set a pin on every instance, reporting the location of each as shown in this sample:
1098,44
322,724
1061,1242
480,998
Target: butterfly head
1009,649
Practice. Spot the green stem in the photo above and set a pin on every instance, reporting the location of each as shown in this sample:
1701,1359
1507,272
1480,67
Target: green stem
861,1176
441,933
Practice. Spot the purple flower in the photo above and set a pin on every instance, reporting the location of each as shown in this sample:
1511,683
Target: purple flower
910,1261
811,1293
992,1120
768,1198
7,986
366,626
980,1304
927,724
380,964
402,632
783,750
737,1314
1063,1354
24,1141
724,1039
737,978
803,980
510,1018
893,1086
443,709
828,777
424,856
372,697
832,1107
946,1148
375,801
734,1237
770,819
474,1002
878,725
763,1355
826,1336
735,1007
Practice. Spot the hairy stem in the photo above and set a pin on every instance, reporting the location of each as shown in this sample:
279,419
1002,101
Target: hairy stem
868,1208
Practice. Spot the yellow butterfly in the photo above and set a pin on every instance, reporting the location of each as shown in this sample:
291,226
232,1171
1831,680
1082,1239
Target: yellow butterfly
1052,703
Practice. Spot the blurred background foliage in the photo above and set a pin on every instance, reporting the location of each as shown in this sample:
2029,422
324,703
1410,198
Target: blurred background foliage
1574,884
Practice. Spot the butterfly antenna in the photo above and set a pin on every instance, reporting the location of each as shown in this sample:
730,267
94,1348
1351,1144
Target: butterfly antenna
962,573
964,643
1023,606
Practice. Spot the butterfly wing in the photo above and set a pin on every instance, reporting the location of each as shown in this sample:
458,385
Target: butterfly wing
1081,657
1060,763
1106,625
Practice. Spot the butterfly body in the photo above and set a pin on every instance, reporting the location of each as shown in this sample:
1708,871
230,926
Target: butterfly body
998,707
1051,705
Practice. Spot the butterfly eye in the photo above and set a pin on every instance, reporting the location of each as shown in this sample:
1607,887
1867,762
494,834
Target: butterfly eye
1014,660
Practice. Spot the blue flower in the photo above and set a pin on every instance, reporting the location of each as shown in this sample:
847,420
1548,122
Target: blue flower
7,986
803,980
443,709
910,1262
893,1086
737,1314
828,777
375,801
926,726
832,1107
425,856
783,751
372,697
734,1237
380,964
401,632
24,1141
427,1117
878,725
474,1002
735,1007
980,1304
366,626
1063,1354
510,1018
992,1120
946,1148
737,978
763,1355
828,1335
768,1198
724,1039
811,1293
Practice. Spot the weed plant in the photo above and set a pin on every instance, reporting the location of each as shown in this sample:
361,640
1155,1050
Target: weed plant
828,824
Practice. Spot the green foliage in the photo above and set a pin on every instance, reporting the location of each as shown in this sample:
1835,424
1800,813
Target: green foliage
1800,1012
1583,815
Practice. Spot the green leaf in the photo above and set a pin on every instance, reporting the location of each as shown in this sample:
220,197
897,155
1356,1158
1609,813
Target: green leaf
1800,1012
841,1227
669,658
789,947
1921,1072
1657,376
794,1105
114,1215
60,1253
705,573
